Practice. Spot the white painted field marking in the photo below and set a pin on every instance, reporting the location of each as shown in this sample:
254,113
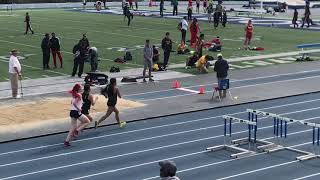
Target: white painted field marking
188,90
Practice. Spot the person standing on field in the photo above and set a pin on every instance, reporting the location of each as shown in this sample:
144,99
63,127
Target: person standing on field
175,7
166,45
161,7
249,33
45,46
28,24
55,49
147,63
184,28
14,72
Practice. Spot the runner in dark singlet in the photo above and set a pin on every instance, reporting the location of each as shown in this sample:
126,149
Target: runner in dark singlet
111,92
88,101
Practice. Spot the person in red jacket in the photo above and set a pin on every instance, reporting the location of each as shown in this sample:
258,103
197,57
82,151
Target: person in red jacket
216,45
130,4
194,29
189,3
249,34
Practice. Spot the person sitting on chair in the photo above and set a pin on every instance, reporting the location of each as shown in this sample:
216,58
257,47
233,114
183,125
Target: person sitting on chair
216,45
202,64
221,67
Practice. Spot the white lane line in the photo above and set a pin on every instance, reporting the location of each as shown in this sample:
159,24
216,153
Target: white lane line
139,165
156,127
171,158
188,90
221,162
252,85
258,170
308,176
241,80
116,156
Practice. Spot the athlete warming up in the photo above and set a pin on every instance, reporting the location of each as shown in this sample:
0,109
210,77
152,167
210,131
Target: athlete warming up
249,34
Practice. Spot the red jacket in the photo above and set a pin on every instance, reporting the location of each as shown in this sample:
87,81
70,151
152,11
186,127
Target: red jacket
194,29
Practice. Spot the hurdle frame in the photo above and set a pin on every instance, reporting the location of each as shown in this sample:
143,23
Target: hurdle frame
317,144
241,152
277,119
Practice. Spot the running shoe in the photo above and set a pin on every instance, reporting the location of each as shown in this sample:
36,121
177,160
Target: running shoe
66,143
122,124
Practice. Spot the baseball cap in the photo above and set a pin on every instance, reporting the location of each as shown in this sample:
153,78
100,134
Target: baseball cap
168,166
218,55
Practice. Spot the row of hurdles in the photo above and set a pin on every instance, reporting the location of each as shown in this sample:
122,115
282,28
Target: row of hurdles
280,130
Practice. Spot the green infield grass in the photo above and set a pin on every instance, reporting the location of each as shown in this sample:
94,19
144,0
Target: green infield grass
110,34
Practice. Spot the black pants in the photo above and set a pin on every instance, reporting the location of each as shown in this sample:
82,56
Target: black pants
166,55
28,27
161,11
45,59
175,10
189,16
94,66
224,23
78,62
136,4
220,16
183,35
306,20
130,16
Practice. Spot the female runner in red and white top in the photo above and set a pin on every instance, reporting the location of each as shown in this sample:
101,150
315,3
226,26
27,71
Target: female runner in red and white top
75,114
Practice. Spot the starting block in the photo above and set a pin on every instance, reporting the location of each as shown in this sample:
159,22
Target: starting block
96,78
240,152
131,78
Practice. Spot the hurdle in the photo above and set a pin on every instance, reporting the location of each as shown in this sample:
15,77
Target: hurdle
315,141
280,130
241,152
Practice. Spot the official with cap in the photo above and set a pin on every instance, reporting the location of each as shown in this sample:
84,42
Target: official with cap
14,72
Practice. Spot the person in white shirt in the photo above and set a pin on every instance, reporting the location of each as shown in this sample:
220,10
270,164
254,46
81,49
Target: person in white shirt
184,28
14,72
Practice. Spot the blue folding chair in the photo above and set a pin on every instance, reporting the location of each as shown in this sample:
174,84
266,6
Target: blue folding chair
224,85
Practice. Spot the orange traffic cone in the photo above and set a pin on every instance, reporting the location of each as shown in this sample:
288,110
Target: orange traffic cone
201,90
176,84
